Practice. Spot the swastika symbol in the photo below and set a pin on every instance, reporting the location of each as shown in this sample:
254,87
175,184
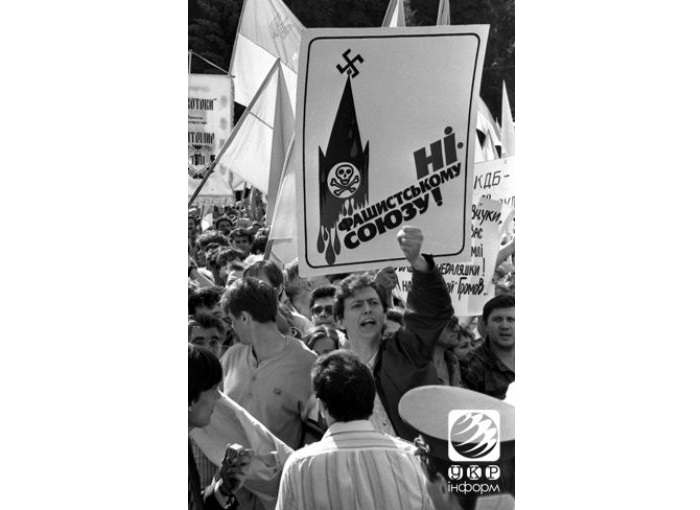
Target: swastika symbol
350,68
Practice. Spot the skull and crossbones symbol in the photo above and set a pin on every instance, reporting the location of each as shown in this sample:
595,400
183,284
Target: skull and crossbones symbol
344,180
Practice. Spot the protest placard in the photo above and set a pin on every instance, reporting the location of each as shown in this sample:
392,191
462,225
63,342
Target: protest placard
495,180
385,120
209,117
469,282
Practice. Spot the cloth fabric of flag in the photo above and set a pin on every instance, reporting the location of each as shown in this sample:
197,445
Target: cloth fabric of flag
395,16
507,126
257,146
267,30
443,14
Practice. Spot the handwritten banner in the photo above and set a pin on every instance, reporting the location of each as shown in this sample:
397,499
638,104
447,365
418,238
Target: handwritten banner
384,120
495,180
469,283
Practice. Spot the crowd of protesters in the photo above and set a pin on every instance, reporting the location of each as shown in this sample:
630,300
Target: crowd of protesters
323,364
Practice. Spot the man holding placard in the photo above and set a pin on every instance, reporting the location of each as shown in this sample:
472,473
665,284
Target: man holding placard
404,360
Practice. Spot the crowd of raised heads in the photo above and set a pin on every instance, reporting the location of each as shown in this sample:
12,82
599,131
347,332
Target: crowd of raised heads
231,245
316,359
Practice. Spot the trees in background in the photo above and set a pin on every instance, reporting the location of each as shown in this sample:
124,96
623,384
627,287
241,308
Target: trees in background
213,24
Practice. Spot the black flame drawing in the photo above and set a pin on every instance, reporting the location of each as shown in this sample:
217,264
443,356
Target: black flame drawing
344,146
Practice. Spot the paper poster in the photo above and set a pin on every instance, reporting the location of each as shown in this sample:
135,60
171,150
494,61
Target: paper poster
209,118
495,179
469,282
384,120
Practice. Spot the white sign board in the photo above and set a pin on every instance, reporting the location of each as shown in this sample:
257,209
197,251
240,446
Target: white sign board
384,120
496,180
209,117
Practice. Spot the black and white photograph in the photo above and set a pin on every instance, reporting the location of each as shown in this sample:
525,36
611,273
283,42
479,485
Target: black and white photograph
351,237
350,310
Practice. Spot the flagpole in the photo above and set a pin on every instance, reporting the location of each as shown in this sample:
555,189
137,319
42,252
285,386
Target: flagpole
285,169
233,134
207,61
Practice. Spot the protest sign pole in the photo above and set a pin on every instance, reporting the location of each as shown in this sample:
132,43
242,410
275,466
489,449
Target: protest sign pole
233,134
276,210
207,61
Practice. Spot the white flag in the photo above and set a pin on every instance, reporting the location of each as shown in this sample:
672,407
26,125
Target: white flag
507,126
443,14
267,30
395,16
487,125
283,232
257,145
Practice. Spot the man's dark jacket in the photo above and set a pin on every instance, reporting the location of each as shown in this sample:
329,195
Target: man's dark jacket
405,359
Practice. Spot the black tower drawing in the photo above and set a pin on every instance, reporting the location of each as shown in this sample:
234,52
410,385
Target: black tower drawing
343,175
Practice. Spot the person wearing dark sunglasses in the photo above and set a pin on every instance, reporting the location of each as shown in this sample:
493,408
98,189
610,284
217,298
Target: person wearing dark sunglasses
321,305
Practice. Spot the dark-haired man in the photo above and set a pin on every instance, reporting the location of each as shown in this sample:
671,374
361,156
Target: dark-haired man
321,305
204,376
288,320
353,466
268,372
206,330
490,368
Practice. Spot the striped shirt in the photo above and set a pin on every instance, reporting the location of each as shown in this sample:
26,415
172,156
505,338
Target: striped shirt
354,467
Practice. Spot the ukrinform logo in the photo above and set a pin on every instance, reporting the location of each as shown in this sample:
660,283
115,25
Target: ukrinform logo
474,436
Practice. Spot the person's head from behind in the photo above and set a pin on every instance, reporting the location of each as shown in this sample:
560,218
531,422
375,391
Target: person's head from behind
498,319
267,271
322,304
204,376
243,239
249,302
344,385
359,307
205,330
322,339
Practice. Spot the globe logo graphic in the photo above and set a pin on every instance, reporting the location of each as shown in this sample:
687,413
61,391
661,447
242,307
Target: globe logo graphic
474,435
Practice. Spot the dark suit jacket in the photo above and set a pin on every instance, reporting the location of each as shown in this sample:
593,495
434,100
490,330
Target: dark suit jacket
405,359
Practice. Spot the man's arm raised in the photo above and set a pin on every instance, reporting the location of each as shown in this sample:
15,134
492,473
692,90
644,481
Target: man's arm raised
428,304
411,241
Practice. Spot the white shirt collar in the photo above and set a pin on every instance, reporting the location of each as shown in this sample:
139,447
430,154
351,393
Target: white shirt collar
339,427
